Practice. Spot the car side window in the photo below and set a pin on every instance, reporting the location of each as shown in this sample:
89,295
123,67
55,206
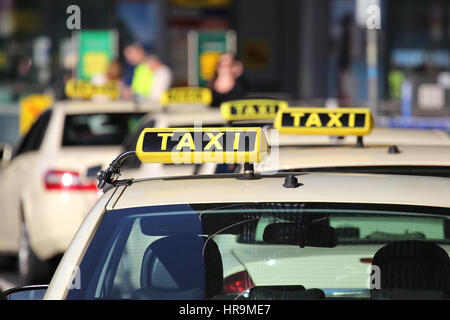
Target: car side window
33,139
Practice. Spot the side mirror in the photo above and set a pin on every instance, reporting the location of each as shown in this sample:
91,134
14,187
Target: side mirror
35,292
5,153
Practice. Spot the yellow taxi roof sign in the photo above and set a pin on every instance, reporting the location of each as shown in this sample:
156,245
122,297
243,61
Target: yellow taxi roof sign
322,121
251,109
186,95
201,145
80,89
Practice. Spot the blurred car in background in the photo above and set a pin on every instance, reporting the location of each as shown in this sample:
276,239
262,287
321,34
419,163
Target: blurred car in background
46,185
386,150
382,150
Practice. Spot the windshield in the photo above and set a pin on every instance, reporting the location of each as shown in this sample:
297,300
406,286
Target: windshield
95,129
239,251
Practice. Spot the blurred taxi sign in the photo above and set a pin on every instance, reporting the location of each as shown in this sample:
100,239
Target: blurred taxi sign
186,96
321,121
31,108
251,109
80,89
202,145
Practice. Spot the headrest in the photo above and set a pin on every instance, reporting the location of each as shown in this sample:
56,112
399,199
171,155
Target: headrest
414,265
179,263
411,250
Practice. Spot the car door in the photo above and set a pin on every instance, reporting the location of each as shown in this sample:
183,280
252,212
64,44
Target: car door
13,178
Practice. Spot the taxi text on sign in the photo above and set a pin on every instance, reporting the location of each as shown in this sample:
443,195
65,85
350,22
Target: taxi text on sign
80,89
252,109
202,145
186,95
321,121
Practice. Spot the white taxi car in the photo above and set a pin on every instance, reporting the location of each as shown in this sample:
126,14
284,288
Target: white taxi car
247,236
323,147
315,146
47,188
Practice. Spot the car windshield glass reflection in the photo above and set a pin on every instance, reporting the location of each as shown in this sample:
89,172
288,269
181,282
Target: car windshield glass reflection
27,294
216,250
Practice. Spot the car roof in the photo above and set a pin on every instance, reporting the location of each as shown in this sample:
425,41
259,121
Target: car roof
316,187
378,136
102,106
300,157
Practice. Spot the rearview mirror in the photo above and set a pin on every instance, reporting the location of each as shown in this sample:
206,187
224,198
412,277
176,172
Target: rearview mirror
35,292
312,235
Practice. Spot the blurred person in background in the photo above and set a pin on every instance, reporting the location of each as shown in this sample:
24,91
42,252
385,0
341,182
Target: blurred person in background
113,73
162,77
238,70
227,83
134,54
151,78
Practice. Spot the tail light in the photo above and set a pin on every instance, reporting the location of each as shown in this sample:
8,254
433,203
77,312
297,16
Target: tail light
237,282
66,180
366,260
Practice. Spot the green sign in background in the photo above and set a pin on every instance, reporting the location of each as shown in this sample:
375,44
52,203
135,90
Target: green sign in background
96,49
210,46
205,50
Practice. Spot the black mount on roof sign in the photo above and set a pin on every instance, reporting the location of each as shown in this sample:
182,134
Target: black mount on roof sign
112,173
359,142
249,172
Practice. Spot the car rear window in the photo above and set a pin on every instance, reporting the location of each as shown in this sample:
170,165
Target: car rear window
236,250
96,129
